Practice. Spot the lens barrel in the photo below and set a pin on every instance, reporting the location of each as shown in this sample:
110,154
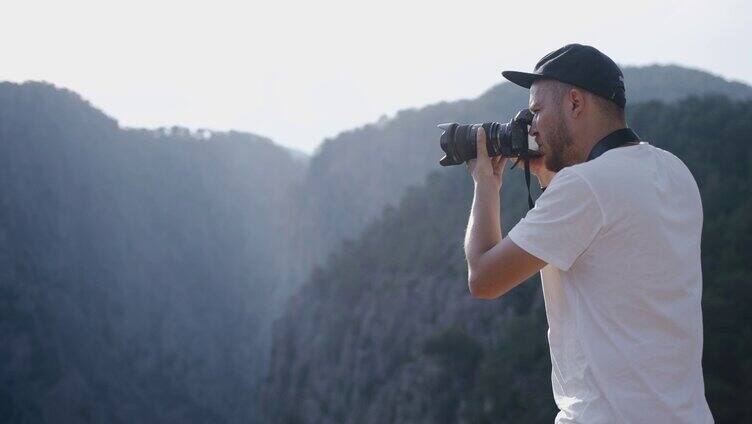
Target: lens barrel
508,140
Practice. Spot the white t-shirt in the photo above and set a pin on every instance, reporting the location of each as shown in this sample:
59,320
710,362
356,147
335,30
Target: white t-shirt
622,288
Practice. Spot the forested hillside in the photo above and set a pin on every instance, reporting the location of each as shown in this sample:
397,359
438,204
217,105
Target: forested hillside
140,269
356,174
386,330
136,267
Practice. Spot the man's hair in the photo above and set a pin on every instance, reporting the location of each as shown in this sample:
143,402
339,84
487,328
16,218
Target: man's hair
609,109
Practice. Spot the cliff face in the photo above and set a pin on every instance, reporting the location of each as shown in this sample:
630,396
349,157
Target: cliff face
386,331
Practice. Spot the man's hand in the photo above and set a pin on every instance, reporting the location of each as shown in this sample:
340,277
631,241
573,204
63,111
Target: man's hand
485,169
538,168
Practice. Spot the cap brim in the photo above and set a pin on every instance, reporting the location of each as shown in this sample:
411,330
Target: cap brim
523,79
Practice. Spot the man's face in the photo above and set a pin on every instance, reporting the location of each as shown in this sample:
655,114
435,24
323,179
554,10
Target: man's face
549,126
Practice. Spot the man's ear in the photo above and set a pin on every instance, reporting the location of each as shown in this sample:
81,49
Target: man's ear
575,102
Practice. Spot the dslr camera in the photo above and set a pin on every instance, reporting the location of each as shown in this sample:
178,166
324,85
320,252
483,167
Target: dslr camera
508,140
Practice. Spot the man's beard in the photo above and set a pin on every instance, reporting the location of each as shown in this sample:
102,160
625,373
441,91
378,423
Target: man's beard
560,152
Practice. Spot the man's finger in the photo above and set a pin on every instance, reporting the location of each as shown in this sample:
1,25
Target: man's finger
480,140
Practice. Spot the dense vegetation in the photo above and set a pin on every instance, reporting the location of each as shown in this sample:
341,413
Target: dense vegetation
136,267
140,269
386,330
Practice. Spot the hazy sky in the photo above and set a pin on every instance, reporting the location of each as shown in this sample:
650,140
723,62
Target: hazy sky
299,72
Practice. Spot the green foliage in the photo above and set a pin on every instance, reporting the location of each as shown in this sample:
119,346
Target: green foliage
458,355
456,350
489,362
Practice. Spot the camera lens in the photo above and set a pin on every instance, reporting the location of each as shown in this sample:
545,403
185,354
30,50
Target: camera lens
509,140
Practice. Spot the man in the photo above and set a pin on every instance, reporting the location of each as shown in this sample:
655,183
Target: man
616,237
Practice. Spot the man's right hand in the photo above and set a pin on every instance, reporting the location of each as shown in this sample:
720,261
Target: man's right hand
538,168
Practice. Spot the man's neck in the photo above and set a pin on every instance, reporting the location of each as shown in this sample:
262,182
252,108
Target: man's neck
594,136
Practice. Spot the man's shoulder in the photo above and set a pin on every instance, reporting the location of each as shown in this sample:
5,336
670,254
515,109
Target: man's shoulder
568,176
638,175
622,164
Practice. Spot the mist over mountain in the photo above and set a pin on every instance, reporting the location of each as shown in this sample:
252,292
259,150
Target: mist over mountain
136,266
140,270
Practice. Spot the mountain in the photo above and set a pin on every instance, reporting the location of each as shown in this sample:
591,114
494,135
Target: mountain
140,270
386,330
673,82
353,176
137,268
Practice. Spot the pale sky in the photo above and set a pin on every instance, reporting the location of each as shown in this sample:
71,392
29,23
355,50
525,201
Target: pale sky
300,72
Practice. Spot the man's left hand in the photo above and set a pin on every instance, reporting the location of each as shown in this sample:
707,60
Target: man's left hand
484,169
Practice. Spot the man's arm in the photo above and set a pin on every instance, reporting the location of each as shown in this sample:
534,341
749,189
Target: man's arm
495,265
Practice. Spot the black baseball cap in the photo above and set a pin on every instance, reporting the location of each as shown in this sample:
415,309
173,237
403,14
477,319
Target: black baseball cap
583,66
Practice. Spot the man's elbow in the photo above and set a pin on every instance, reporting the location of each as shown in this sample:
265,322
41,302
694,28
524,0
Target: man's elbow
480,289
485,281
478,293
477,281
495,273
489,285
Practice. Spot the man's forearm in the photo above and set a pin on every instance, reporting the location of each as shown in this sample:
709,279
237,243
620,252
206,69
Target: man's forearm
484,226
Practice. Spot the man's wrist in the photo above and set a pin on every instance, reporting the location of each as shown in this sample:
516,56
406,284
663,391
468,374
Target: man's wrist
487,184
489,188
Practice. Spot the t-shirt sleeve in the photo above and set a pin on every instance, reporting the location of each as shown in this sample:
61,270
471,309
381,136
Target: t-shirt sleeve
564,222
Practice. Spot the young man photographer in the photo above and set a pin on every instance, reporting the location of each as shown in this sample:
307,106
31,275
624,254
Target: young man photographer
616,237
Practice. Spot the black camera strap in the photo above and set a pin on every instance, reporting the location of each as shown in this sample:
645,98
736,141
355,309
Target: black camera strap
613,140
526,160
530,203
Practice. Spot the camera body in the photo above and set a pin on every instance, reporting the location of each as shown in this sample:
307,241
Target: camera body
508,140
